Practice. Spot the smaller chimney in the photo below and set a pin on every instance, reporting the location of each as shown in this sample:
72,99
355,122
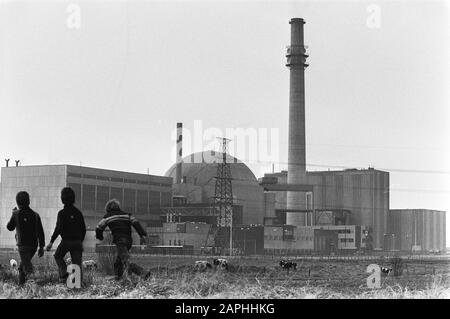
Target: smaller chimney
179,171
7,161
17,162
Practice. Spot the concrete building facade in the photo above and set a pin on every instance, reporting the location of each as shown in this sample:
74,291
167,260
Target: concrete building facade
285,239
364,193
139,194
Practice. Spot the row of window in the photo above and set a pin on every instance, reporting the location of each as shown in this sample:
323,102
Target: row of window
345,231
273,237
116,179
346,240
95,197
300,238
176,242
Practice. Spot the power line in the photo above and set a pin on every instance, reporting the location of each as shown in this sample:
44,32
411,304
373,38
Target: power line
400,170
387,189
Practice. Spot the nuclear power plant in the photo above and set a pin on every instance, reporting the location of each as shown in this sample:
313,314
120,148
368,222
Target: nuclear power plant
285,213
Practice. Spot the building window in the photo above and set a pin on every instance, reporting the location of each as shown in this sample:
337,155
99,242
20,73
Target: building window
102,197
165,199
77,189
155,199
309,203
88,197
117,193
142,202
129,200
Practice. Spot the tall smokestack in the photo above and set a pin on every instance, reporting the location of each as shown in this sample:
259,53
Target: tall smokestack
296,62
179,152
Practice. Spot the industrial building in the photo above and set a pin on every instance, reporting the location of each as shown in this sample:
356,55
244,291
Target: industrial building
199,171
140,194
290,204
289,212
416,230
363,194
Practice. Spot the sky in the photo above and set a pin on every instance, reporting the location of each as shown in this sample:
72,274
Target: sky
103,84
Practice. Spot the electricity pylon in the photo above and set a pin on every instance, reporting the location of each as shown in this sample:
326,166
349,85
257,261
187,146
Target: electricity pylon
223,194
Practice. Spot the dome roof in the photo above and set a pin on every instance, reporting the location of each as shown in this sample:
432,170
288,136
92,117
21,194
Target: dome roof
200,168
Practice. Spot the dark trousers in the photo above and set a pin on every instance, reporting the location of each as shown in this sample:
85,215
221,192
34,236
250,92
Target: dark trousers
75,248
25,268
122,263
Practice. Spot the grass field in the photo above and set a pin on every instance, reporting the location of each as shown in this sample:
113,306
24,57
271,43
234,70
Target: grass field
174,277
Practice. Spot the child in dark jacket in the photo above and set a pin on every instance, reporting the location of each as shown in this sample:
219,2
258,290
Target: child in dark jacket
29,233
71,227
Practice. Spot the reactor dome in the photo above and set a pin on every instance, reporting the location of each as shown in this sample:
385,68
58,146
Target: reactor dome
198,177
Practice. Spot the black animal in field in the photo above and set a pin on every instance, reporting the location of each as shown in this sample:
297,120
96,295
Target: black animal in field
89,264
286,264
385,270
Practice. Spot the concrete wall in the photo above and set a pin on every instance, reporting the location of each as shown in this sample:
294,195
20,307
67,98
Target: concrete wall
303,238
417,227
269,204
364,192
43,183
348,235
189,233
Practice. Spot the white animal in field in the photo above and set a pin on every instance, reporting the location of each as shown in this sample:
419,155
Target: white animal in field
89,264
220,263
13,264
202,265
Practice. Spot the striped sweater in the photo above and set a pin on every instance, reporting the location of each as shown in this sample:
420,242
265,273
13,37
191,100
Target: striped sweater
120,224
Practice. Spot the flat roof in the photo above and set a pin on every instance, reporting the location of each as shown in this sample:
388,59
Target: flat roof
342,171
410,210
99,171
